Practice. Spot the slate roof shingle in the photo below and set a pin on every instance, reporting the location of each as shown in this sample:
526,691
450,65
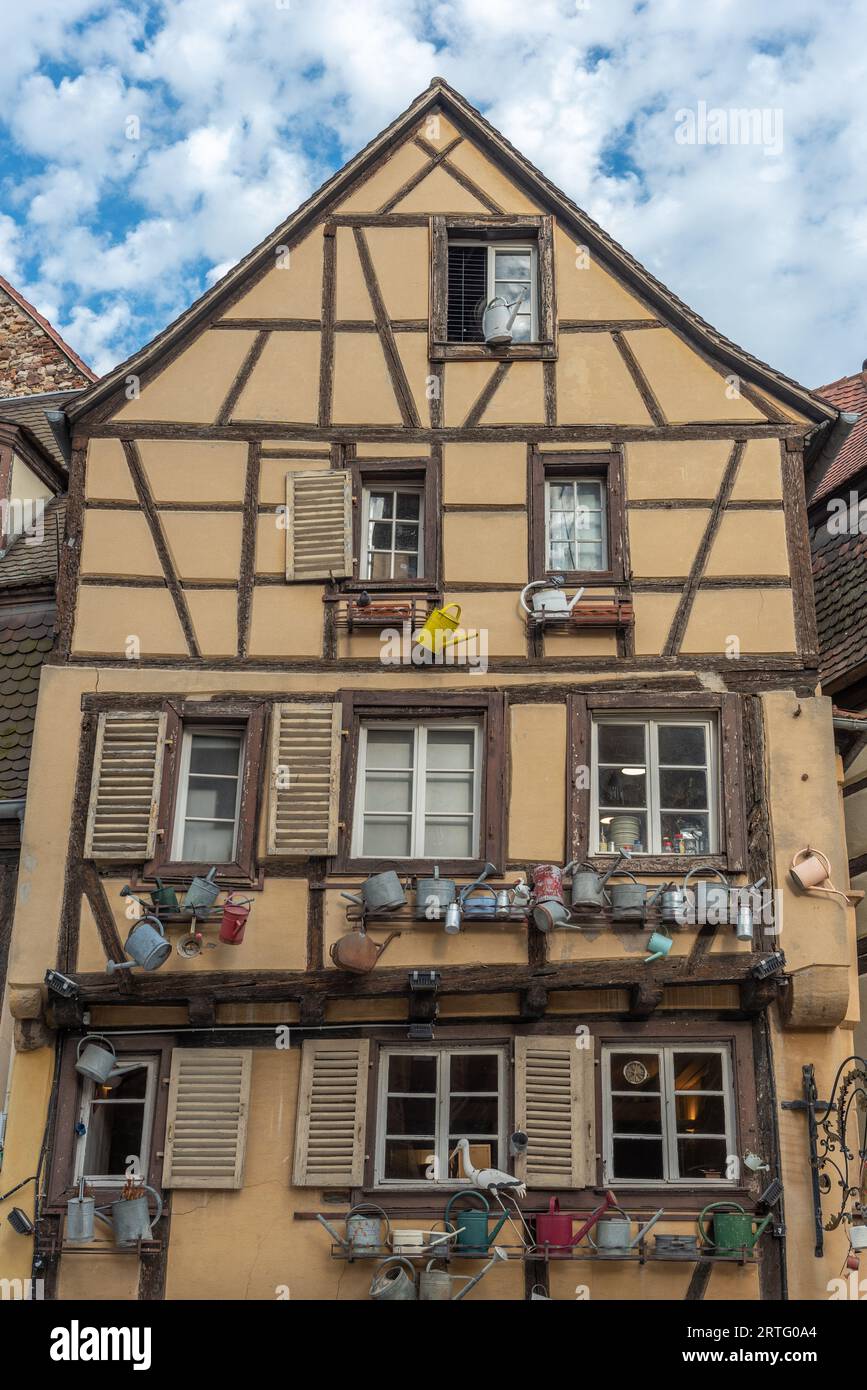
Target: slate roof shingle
30,412
25,565
26,637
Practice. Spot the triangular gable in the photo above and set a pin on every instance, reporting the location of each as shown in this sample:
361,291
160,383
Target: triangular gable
403,142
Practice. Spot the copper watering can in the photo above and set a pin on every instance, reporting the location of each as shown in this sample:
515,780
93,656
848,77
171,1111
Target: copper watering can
357,952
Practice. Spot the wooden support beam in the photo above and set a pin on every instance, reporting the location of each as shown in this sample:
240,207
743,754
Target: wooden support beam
202,1010
645,998
534,1000
151,515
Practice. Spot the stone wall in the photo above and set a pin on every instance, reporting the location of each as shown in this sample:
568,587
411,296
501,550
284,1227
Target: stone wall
30,360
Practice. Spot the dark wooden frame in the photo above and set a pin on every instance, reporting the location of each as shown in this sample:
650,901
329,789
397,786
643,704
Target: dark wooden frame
493,228
393,471
251,717
490,707
63,1139
608,464
732,818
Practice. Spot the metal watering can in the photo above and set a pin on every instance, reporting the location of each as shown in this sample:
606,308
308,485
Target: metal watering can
363,1233
379,893
732,1229
473,1236
165,897
235,914
99,1063
146,944
554,1227
202,893
357,952
588,886
549,907
129,1222
712,901
548,600
614,1233
484,906
434,894
392,1284
498,318
435,1285
629,901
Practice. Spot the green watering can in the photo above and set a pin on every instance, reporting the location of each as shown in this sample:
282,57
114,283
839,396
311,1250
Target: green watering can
473,1237
733,1231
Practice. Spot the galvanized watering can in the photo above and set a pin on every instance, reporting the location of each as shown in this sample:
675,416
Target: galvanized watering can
379,893
146,944
614,1233
392,1283
202,893
433,895
481,902
363,1233
549,907
629,901
498,318
588,886
435,1285
129,1222
99,1060
548,598
732,1229
712,900
474,1237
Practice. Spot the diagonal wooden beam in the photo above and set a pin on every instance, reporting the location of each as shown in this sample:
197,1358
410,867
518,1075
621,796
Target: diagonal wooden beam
435,157
247,567
472,187
245,371
687,598
148,506
486,395
402,392
645,390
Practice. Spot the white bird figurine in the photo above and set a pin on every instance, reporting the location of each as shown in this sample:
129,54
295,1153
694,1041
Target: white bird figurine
491,1179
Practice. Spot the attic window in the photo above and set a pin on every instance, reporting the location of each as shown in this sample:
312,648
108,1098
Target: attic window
477,259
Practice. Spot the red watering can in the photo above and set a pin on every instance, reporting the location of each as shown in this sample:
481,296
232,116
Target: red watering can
554,1227
235,914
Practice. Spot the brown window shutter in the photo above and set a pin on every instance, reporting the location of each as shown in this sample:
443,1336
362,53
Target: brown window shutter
332,1103
555,1105
206,1134
125,791
319,524
304,780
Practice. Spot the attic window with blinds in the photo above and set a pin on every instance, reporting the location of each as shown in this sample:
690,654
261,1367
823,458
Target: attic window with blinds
479,273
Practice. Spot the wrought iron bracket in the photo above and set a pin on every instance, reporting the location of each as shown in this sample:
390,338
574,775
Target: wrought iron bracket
837,1143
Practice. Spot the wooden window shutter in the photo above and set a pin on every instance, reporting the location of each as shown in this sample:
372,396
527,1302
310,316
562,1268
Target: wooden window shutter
304,780
125,791
332,1103
206,1133
319,524
555,1104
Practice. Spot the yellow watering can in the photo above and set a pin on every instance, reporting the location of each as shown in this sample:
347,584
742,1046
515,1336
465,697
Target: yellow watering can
441,621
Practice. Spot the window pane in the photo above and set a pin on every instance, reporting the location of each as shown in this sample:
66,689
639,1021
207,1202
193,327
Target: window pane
380,535
588,525
700,1115
588,495
471,1072
389,747
410,1072
637,1158
562,556
380,505
521,329
405,1116
473,1115
638,1114
208,841
482,1155
621,743
698,1071
446,840
679,788
215,753
212,798
688,833
388,792
380,565
389,838
408,506
450,748
408,1159
627,1070
618,832
561,526
131,1086
616,788
682,743
450,795
589,556
513,265
114,1134
701,1158
561,497
406,536
405,567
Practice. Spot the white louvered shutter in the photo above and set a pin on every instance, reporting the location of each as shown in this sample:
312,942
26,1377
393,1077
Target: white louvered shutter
125,791
206,1133
319,524
304,780
555,1105
332,1103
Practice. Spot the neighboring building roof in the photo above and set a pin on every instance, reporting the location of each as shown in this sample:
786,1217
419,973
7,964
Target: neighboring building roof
35,566
29,411
26,637
48,329
840,585
849,393
441,96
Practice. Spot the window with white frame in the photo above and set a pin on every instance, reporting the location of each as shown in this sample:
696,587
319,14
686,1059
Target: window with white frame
576,526
209,795
392,529
481,271
115,1124
655,784
430,1099
668,1114
418,790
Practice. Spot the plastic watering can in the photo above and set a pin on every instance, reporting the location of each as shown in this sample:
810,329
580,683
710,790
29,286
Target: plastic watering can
474,1237
440,627
732,1228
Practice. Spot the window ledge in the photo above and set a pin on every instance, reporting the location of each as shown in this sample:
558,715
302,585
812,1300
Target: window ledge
477,352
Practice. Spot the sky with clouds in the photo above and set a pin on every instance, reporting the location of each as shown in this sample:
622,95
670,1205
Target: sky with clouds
145,147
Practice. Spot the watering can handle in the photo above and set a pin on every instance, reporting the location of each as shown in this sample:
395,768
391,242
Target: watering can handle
706,1240
622,873
535,584
95,1037
465,1192
369,1206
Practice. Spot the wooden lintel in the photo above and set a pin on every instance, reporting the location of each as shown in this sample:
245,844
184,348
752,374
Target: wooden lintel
645,998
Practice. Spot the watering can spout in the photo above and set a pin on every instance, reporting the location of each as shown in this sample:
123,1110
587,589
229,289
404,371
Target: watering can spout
573,601
338,1239
648,1226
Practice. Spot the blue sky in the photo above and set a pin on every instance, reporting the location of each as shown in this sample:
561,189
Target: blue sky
145,147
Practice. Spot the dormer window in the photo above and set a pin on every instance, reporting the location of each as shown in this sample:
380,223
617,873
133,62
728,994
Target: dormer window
480,272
